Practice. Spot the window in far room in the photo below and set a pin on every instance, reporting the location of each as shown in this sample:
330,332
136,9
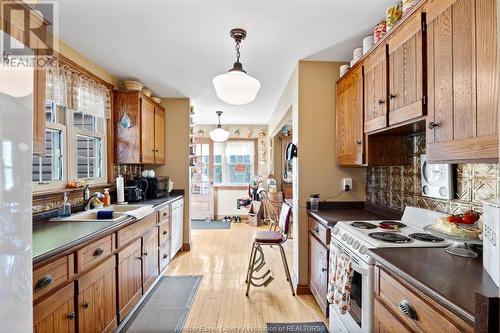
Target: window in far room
234,162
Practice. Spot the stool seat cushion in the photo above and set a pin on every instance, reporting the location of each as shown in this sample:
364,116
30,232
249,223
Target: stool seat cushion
268,237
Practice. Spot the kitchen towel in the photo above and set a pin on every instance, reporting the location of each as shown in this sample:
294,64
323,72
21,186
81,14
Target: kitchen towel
141,212
340,280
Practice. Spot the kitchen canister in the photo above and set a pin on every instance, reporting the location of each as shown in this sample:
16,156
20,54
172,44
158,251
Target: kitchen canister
379,31
393,15
408,5
343,69
357,54
367,43
353,62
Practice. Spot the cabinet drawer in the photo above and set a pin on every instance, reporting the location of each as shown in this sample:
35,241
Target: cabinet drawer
94,253
135,230
164,255
320,231
164,232
52,275
164,214
428,315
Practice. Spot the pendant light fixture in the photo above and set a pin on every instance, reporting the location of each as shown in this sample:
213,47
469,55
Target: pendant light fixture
219,134
236,86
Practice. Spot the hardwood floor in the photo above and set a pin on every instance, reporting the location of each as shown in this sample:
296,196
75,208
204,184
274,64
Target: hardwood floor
221,256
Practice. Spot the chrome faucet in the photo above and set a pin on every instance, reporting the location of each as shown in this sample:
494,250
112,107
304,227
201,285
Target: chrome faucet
87,198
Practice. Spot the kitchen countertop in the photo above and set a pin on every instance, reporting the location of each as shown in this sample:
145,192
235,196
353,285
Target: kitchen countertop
450,280
332,212
50,238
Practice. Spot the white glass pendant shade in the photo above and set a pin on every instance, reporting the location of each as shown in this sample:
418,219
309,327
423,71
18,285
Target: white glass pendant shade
219,134
236,87
16,81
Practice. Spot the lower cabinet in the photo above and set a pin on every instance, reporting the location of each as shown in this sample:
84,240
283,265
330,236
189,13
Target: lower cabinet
150,259
56,314
129,278
97,299
318,271
385,322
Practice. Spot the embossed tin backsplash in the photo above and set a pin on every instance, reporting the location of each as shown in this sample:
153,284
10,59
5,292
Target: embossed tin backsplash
398,186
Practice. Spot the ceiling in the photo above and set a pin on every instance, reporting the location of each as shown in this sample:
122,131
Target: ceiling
176,47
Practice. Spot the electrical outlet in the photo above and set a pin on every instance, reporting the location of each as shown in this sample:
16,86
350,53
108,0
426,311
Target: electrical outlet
347,184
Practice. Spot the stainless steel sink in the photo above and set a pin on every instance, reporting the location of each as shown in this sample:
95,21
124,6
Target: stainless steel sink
119,214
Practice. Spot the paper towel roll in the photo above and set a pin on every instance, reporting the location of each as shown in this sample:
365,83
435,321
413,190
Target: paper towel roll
120,195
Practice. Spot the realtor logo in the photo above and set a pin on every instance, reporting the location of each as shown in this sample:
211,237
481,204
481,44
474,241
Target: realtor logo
31,30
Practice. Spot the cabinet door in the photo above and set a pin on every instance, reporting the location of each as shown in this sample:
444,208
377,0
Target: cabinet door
406,88
375,90
56,314
462,88
349,119
127,139
129,278
97,299
385,322
318,272
150,258
147,131
159,135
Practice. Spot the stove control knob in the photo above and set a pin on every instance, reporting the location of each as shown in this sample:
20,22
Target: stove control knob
362,249
355,245
344,237
335,231
349,240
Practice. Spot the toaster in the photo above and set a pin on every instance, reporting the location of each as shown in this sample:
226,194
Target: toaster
491,239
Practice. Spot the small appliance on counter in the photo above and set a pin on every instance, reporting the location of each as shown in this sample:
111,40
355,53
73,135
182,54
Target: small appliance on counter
133,193
491,239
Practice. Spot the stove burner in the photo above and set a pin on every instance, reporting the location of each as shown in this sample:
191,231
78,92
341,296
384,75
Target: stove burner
392,225
363,225
390,237
426,237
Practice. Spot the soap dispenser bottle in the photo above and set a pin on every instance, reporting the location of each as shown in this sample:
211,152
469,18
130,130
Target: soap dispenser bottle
66,207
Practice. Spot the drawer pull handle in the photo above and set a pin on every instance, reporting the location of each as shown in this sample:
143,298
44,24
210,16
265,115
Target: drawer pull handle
324,269
316,229
407,310
432,125
43,282
165,213
98,252
85,305
71,316
165,256
145,253
165,232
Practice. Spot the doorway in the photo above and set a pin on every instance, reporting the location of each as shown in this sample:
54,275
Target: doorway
202,196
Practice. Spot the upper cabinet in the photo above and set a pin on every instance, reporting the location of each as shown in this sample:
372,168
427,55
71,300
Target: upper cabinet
461,67
406,78
349,119
375,92
139,129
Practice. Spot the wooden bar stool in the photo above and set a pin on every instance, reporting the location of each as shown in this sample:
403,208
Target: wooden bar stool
270,238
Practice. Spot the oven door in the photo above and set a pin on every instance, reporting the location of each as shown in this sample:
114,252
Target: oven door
360,317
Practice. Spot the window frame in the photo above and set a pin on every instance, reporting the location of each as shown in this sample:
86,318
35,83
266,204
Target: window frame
69,152
225,163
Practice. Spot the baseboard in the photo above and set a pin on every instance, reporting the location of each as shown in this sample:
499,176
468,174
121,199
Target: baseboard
303,289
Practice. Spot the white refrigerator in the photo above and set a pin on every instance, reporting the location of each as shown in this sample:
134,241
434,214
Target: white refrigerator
16,109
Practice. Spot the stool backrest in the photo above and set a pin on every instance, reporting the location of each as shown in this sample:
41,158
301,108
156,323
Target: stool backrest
284,222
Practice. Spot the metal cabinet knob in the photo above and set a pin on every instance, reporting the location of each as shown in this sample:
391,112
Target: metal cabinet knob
407,310
71,316
432,125
316,229
145,253
392,96
165,256
43,282
165,232
323,269
381,101
85,305
98,252
359,142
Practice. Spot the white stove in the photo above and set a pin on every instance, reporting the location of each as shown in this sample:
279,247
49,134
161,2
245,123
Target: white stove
355,238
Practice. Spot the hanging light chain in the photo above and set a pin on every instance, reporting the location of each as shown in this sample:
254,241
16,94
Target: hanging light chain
237,47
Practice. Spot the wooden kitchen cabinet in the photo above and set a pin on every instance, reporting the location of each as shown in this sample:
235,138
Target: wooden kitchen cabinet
462,116
150,258
97,299
406,71
385,322
143,142
375,90
129,278
56,313
349,119
159,135
318,266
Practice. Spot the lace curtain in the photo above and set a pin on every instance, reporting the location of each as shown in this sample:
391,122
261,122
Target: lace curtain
75,91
